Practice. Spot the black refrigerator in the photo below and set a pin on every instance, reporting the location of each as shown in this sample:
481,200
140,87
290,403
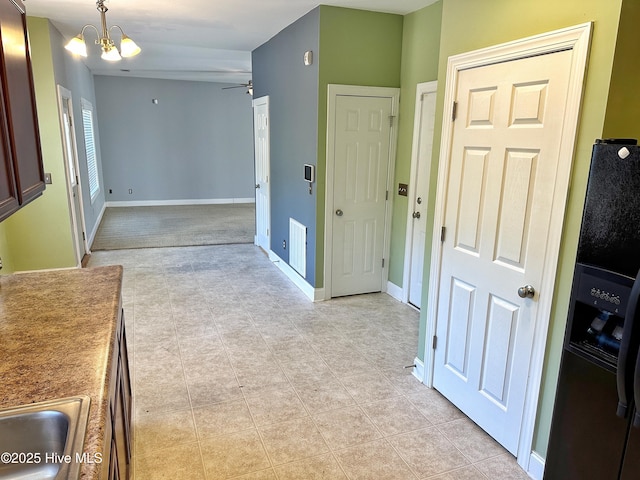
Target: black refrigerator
595,431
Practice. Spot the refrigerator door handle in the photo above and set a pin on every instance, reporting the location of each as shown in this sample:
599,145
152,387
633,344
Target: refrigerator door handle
628,352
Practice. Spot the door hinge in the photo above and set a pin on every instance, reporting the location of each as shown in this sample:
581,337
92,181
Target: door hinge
454,111
434,342
383,263
443,232
386,196
267,232
83,236
391,117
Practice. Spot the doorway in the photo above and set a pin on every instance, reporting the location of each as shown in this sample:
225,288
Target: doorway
65,107
262,165
361,142
502,188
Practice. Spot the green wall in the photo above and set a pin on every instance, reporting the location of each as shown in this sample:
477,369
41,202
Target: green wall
4,251
420,49
357,47
622,118
469,25
39,235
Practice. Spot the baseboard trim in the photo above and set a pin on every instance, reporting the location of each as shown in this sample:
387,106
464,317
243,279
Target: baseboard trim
536,466
395,291
418,370
314,294
163,203
92,235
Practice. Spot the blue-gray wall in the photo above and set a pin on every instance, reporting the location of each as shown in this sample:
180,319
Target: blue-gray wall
195,144
292,87
73,75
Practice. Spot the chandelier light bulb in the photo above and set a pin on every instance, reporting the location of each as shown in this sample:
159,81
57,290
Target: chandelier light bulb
76,45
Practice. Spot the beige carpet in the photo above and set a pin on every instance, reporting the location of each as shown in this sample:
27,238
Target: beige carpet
175,226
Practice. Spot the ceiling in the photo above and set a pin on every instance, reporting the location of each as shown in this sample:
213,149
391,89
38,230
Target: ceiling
206,40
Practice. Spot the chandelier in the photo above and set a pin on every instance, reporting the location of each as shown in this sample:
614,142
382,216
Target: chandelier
128,47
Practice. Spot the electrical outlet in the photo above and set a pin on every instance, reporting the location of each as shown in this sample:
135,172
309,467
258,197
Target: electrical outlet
110,191
0,263
47,178
284,244
130,191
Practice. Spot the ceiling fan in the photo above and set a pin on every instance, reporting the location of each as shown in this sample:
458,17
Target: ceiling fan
248,86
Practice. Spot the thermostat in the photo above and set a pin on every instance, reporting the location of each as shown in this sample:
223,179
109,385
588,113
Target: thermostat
309,173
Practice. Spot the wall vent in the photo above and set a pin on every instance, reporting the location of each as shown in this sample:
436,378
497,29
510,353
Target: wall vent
298,247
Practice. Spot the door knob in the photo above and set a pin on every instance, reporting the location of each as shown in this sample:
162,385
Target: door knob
257,185
339,212
416,214
526,291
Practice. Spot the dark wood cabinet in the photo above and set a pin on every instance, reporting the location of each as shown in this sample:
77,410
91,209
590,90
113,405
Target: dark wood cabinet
21,168
118,430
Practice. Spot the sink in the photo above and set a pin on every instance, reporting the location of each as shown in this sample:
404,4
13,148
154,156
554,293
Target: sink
44,440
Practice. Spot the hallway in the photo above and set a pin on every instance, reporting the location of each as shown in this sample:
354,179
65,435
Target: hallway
236,374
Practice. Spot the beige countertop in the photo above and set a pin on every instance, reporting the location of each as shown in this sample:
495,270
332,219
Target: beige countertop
57,329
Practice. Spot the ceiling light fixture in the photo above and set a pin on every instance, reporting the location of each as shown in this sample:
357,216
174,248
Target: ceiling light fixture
128,47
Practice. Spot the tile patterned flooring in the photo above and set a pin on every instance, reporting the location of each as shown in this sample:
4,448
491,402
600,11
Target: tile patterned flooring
236,374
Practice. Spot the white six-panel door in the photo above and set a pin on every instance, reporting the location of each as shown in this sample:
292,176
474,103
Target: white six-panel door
503,165
362,156
262,166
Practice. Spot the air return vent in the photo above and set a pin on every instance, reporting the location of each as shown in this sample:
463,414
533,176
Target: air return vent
298,247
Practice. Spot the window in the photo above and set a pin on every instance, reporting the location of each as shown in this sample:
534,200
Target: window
90,148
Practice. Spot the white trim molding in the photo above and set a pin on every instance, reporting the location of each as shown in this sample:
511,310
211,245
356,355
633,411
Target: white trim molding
94,232
395,291
314,294
161,203
536,466
577,40
418,370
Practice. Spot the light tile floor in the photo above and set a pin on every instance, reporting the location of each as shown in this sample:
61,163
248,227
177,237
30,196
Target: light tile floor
236,374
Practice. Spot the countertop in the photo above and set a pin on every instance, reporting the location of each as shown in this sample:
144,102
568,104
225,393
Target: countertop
57,329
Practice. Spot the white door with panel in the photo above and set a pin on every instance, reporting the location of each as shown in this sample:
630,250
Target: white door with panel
361,167
502,174
261,158
424,124
72,173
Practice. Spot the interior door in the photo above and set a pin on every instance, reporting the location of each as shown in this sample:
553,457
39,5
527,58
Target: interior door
261,154
503,165
423,132
75,195
362,157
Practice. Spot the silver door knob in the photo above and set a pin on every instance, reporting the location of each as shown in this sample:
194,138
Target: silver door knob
339,212
526,291
416,214
257,185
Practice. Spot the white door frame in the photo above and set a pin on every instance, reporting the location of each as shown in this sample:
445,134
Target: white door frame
255,103
577,39
360,91
421,89
63,93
